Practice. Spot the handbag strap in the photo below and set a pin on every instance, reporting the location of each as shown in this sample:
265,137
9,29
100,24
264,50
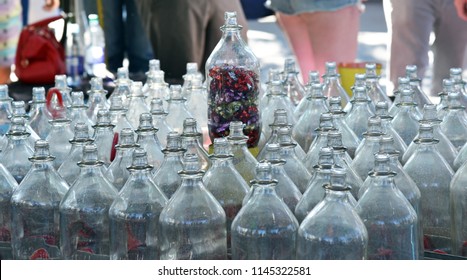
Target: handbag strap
46,21
56,110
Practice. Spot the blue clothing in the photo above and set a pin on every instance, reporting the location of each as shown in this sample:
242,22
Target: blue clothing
292,7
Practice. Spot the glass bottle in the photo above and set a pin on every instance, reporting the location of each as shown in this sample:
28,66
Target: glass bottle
193,221
457,204
375,92
232,79
5,109
159,120
65,90
34,209
197,105
8,185
304,131
136,104
59,140
156,87
69,170
166,177
404,83
18,109
153,65
441,107
192,144
38,114
455,74
243,160
97,99
192,74
117,173
117,114
176,108
134,214
432,174
461,158
359,113
363,161
123,85
386,124
274,74
332,84
84,211
104,137
77,110
265,228
293,87
333,230
17,151
313,78
147,139
293,166
420,98
405,122
445,147
349,138
454,124
390,220
325,126
225,183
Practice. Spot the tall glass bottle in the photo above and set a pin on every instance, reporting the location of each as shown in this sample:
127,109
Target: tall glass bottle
197,105
332,84
193,221
420,97
77,110
293,87
265,228
192,144
136,104
166,177
8,184
176,108
38,114
192,74
18,109
225,183
232,79
117,114
123,85
65,90
274,74
441,107
457,206
5,109
455,74
375,92
349,138
454,124
34,209
325,126
159,121
405,122
84,211
403,83
69,170
432,174
243,160
147,139
156,87
117,173
390,220
59,140
104,137
304,131
359,113
97,99
313,78
333,230
134,214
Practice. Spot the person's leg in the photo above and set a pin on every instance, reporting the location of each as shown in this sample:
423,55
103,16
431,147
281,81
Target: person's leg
296,30
113,34
410,23
450,45
333,35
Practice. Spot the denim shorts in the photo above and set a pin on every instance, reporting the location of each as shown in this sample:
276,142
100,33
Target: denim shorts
292,7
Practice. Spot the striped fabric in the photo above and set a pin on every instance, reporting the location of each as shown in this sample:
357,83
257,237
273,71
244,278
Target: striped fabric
10,28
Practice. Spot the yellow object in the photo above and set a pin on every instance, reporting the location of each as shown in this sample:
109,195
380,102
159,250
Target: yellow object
348,70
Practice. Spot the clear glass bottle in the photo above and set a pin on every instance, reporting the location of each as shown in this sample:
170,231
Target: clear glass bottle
265,228
441,107
97,99
156,87
325,126
176,108
461,158
225,183
17,151
192,144
65,90
197,106
8,184
18,109
159,120
134,214
123,85
293,87
5,109
84,211
349,138
193,221
333,230
404,83
117,115
136,104
104,137
38,115
192,74
293,166
147,139
304,131
455,74
359,113
375,92
313,78
432,174
454,124
364,156
243,160
117,173
420,97
232,79
166,177
77,110
59,140
35,209
458,204
69,170
405,122
332,84
274,74
391,221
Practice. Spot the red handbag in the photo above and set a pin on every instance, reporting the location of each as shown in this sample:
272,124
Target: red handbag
39,56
